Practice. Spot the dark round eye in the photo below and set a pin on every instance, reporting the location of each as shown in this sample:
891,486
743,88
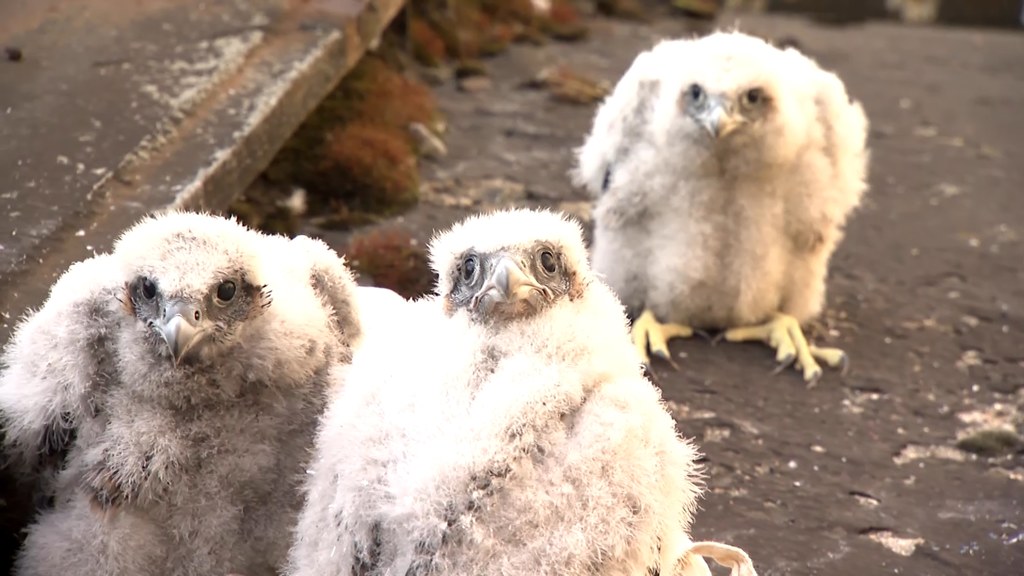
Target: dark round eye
226,291
695,92
469,268
548,262
148,289
753,96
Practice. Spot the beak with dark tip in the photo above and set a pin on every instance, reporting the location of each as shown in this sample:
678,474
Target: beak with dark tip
720,120
181,328
508,284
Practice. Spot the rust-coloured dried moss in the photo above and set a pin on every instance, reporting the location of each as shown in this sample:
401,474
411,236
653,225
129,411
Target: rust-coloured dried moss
391,259
378,92
354,154
369,167
564,22
427,45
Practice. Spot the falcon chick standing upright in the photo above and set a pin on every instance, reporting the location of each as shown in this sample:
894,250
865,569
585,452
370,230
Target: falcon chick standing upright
724,171
182,376
520,437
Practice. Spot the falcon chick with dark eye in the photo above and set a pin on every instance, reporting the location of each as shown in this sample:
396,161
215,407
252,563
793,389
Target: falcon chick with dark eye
516,436
182,376
724,170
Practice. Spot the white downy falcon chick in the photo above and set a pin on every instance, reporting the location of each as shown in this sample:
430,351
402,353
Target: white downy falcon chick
182,376
724,170
519,438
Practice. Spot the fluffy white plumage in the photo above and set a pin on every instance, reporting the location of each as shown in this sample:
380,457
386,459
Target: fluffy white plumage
515,436
190,364
382,312
724,171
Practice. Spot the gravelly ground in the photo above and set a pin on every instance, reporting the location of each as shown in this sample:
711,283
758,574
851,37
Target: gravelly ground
859,475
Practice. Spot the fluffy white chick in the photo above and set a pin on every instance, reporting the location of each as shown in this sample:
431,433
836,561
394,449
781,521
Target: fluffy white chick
517,438
724,171
181,376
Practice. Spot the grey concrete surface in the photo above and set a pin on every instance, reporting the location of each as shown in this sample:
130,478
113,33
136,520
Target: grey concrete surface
997,13
117,108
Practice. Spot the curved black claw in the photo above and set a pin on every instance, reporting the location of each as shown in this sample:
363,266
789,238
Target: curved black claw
649,374
784,364
707,335
814,379
844,365
717,338
666,357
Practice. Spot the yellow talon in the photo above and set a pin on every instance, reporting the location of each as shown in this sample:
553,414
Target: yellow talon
647,333
783,333
734,558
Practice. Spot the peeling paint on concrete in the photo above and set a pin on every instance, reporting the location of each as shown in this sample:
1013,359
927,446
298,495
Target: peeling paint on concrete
914,452
901,546
1016,474
180,84
997,416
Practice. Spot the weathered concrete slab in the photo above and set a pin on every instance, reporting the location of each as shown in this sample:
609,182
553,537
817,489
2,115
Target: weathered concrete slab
118,108
997,13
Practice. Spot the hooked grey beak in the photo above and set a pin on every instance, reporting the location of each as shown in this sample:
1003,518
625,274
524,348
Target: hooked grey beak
180,328
510,285
720,121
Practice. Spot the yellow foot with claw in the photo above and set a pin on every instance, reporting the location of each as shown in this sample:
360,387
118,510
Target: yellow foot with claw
731,557
783,333
647,333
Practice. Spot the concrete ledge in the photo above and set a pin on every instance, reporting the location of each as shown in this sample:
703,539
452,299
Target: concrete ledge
118,109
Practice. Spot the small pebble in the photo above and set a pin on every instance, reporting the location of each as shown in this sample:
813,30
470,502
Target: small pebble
13,53
428,144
